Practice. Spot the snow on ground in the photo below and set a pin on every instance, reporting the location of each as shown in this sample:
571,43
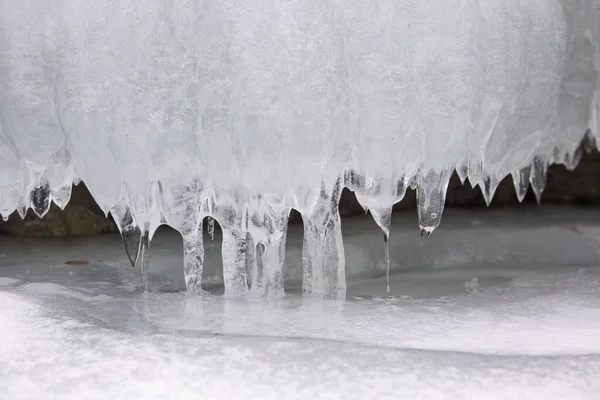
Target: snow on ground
496,304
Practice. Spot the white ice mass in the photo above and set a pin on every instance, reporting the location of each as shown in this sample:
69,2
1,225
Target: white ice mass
174,110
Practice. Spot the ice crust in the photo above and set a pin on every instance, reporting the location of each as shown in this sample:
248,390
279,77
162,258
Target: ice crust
172,111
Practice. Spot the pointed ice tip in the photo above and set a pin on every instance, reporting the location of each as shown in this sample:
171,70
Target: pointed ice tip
40,200
22,211
488,200
426,230
538,190
538,197
132,237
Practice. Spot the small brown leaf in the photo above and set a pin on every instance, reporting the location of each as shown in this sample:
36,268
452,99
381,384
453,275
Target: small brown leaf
76,262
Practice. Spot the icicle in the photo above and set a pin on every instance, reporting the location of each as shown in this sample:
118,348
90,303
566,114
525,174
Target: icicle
193,260
354,181
180,207
431,196
323,250
401,187
211,231
145,255
234,262
386,241
22,210
539,171
251,267
383,218
265,253
257,267
475,171
130,231
521,182
62,195
40,200
132,237
462,170
490,184
572,160
270,255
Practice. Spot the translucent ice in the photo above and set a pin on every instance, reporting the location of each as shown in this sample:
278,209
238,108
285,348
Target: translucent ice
173,111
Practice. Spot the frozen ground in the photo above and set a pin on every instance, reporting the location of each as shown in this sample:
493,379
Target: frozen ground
496,304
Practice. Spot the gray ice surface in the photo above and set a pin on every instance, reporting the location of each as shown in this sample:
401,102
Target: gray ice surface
496,304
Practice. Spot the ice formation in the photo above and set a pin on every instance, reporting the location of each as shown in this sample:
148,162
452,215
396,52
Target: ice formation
171,111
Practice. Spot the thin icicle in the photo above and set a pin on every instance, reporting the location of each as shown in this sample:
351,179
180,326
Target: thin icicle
251,254
145,255
383,218
386,241
234,262
401,187
258,251
211,230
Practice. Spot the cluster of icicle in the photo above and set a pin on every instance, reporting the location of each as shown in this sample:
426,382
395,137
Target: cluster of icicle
174,110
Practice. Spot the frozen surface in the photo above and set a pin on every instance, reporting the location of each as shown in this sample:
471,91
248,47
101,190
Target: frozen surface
174,110
512,312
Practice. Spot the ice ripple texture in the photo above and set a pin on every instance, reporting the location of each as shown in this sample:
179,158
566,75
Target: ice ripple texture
174,110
